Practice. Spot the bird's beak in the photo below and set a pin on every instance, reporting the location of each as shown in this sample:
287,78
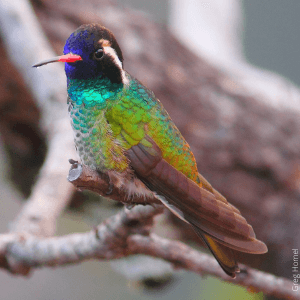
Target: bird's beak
64,58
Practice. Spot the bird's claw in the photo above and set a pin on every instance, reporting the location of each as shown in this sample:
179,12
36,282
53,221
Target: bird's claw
110,189
129,205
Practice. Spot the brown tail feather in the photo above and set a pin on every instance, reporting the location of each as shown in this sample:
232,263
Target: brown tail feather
223,254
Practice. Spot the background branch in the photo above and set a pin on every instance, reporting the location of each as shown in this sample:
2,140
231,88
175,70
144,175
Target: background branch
51,193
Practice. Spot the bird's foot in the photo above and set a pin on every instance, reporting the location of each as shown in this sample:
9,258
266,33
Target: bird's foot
129,205
110,188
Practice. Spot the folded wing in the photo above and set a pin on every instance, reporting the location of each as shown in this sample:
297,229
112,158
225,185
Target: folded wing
207,211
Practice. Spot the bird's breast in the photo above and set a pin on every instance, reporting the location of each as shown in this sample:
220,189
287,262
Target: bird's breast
95,143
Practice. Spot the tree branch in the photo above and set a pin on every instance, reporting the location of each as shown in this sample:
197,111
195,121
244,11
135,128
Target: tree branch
185,257
125,234
83,178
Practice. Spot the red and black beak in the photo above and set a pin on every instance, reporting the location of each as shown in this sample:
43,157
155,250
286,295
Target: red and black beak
63,58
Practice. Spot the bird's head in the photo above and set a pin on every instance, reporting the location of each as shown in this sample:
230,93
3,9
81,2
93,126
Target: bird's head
91,51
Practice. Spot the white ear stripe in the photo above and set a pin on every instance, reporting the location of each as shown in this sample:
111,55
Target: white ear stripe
109,50
113,54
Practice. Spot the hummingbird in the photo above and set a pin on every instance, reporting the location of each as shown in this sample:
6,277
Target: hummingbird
122,130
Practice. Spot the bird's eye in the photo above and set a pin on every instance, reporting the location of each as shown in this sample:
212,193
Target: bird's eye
98,54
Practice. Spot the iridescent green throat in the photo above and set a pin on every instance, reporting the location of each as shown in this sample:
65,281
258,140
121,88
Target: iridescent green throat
93,92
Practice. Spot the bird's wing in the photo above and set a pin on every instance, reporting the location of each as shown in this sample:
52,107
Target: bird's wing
208,213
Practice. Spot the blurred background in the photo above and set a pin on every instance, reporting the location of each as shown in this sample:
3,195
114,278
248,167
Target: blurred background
261,33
